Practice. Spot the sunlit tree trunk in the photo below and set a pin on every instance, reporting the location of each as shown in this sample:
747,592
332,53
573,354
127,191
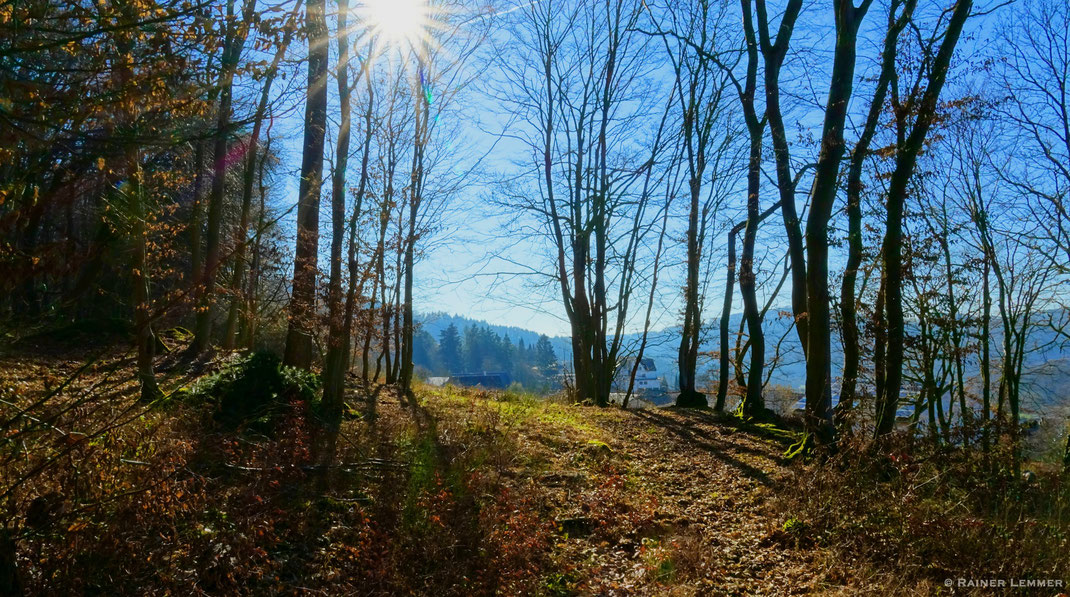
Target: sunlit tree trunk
410,234
336,362
303,301
357,278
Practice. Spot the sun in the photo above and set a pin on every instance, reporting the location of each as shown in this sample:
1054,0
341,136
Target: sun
399,22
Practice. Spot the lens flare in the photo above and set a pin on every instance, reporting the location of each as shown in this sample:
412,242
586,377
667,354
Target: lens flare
399,22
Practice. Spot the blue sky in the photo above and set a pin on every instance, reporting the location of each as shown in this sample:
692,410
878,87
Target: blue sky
477,268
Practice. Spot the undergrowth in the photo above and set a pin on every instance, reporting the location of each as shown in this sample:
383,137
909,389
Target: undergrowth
915,511
256,390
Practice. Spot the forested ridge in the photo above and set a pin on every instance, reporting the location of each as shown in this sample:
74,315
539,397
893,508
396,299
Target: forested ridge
832,237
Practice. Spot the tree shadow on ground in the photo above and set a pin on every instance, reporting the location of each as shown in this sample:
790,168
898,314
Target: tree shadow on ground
696,429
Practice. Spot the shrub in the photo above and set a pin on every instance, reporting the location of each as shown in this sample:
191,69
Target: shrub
256,389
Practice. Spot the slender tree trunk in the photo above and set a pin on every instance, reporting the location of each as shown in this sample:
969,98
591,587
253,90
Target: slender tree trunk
898,187
235,40
196,222
689,338
423,115
369,332
303,300
956,333
384,303
822,197
252,152
848,311
753,402
986,358
726,312
649,305
885,405
336,362
395,370
250,314
1066,452
774,50
356,290
146,339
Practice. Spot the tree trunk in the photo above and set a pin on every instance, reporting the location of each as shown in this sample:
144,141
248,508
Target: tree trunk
885,405
235,40
898,187
336,362
250,314
423,115
135,195
248,177
303,300
986,362
146,339
822,197
356,290
196,221
753,402
726,312
689,338
774,51
649,305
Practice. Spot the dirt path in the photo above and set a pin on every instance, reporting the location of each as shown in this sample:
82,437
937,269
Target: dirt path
653,501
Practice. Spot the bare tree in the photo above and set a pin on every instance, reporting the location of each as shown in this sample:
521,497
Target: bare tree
1036,78
336,361
848,310
818,321
708,143
915,114
252,153
581,97
236,31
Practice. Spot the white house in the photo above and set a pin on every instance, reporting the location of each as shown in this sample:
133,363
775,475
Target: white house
646,377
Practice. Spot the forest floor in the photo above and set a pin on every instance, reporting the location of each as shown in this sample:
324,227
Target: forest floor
449,492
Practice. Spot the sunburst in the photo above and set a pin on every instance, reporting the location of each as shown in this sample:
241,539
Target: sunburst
402,23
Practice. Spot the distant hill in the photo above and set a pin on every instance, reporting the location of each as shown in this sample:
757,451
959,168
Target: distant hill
434,323
1046,384
662,345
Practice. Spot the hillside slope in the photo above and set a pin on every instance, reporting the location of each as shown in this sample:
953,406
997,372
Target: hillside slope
452,492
